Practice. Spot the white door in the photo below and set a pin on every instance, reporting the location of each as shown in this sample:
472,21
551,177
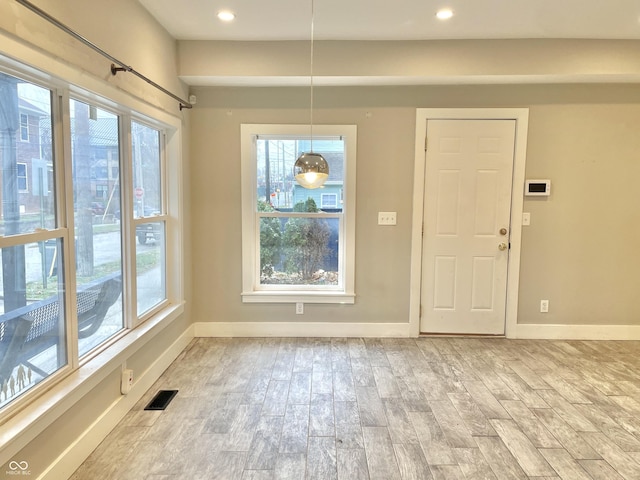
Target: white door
468,181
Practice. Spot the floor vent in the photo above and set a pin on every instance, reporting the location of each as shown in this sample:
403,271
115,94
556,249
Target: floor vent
161,400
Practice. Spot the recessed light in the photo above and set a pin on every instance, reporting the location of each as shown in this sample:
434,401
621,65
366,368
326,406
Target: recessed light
226,15
444,14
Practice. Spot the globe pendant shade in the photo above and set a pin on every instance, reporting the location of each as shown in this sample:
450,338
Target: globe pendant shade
311,170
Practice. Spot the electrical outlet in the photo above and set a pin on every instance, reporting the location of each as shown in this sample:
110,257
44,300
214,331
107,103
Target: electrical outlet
387,218
544,306
126,382
299,308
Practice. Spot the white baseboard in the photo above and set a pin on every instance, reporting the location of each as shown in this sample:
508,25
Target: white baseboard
577,332
76,453
300,329
326,329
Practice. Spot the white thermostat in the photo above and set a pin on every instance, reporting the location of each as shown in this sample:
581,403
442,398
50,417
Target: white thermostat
537,188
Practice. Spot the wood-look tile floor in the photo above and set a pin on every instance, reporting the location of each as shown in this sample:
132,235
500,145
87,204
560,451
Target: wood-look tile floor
352,408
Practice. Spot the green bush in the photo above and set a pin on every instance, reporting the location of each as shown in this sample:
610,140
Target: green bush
270,240
306,241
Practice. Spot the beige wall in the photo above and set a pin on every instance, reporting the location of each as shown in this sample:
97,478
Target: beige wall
579,252
410,62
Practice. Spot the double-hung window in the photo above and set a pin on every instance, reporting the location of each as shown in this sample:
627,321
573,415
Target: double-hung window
298,243
149,213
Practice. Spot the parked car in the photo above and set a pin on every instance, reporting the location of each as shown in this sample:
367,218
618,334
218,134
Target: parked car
152,230
97,208
145,231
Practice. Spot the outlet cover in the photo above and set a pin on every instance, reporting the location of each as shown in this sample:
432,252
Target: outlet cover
126,382
544,306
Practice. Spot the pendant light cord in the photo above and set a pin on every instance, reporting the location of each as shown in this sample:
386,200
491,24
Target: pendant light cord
311,76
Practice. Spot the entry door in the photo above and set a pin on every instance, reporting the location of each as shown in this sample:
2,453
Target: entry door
468,181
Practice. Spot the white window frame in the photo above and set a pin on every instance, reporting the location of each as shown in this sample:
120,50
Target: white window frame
24,128
252,291
161,217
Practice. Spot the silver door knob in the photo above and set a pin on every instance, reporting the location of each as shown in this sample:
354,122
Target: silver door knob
502,247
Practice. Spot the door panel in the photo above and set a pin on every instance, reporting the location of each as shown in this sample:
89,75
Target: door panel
468,181
448,204
445,283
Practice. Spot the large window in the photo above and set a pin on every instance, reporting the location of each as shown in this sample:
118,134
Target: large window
83,229
298,243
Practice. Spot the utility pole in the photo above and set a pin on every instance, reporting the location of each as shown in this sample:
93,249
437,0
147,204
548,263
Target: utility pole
82,164
14,284
267,173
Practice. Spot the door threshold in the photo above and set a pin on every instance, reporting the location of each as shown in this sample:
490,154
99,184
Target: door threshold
460,335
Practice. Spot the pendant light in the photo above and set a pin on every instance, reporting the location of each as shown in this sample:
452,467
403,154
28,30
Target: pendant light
311,170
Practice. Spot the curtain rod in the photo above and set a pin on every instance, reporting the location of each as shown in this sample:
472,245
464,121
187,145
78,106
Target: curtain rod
114,69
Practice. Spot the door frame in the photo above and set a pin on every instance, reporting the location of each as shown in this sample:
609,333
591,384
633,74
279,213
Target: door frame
423,115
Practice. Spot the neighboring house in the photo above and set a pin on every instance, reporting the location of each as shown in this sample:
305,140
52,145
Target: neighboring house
329,197
34,166
105,163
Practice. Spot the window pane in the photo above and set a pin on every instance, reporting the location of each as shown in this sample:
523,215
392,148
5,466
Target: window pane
150,265
276,185
147,178
147,194
32,326
26,155
95,149
294,250
299,251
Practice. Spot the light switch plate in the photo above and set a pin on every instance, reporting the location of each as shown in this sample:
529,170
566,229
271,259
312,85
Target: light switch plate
387,218
526,218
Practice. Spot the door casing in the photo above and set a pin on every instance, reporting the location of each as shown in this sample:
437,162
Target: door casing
521,116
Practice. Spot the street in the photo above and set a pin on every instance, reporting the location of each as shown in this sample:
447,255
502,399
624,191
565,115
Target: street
106,249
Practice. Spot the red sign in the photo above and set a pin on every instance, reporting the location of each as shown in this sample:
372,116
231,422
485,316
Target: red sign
139,192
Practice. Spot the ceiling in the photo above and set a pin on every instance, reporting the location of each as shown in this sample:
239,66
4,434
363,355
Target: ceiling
400,20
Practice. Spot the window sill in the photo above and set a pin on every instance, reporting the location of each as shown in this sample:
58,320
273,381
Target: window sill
33,419
299,297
